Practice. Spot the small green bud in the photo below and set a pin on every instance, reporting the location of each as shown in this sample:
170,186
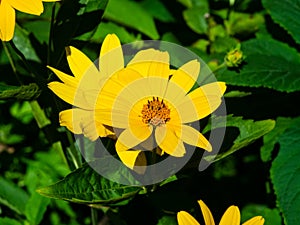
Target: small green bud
234,58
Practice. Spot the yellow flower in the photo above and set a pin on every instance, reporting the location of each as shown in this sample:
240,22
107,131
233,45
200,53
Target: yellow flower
151,106
81,89
7,14
230,217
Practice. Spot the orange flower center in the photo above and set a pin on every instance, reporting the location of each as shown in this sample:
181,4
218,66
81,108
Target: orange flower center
155,112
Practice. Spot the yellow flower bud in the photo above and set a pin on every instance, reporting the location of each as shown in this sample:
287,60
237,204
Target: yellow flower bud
234,58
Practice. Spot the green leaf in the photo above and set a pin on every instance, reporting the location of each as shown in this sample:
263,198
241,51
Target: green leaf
157,10
85,185
9,221
249,131
270,139
271,216
36,208
24,92
269,63
243,24
74,19
195,17
236,94
12,196
167,220
23,44
105,28
287,14
285,174
133,15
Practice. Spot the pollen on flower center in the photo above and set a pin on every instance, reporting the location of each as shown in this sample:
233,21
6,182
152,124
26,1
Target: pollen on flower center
155,112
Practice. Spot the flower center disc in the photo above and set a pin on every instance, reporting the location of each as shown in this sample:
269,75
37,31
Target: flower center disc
155,112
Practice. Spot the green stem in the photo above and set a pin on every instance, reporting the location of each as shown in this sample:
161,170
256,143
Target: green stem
75,155
94,215
11,61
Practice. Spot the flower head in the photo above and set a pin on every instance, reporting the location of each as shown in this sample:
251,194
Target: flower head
230,217
152,106
7,14
235,57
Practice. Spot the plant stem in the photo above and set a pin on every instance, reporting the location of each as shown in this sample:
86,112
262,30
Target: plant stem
94,215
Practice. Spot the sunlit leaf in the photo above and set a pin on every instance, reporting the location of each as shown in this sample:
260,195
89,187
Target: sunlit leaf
9,221
269,63
131,14
36,208
249,131
12,196
85,185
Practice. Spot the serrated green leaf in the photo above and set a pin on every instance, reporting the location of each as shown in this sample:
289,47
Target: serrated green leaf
132,15
249,131
287,14
35,208
86,186
12,196
285,174
9,221
269,63
270,139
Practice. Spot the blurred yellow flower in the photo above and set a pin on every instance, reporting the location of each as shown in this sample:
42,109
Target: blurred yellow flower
7,14
81,89
151,106
230,217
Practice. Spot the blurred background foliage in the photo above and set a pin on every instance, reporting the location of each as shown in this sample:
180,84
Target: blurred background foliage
262,100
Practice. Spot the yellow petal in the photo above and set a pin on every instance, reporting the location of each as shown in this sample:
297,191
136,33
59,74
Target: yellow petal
71,95
111,55
79,63
186,76
7,21
193,137
208,218
34,7
168,141
201,102
257,220
151,62
81,121
134,159
67,79
231,216
132,137
185,218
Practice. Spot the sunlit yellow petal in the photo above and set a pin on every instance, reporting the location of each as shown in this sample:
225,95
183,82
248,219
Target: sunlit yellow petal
130,138
193,137
7,21
257,220
34,7
185,218
67,79
151,62
134,159
79,63
69,94
201,102
208,218
187,75
168,141
81,121
111,55
231,216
